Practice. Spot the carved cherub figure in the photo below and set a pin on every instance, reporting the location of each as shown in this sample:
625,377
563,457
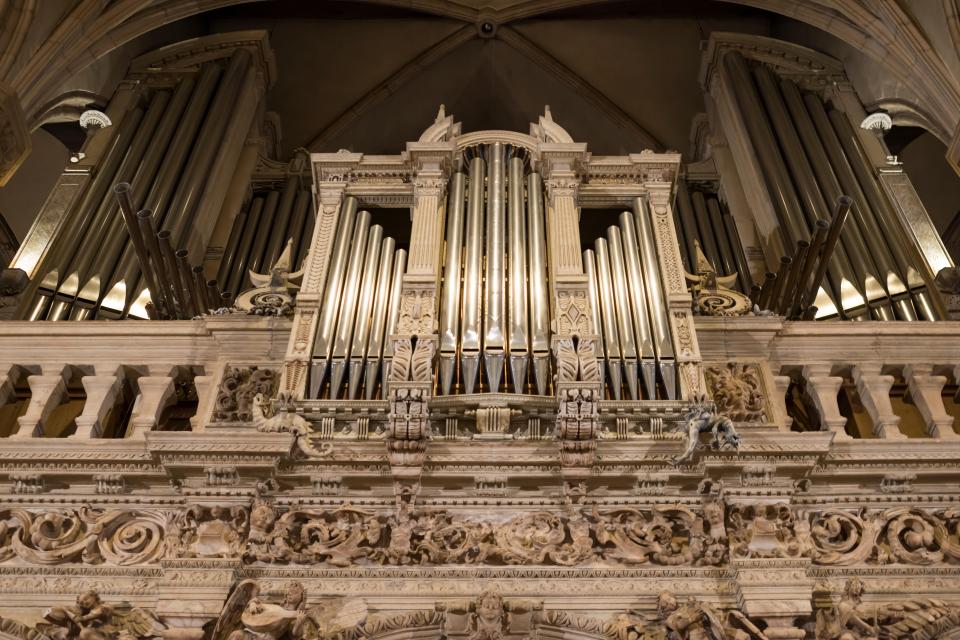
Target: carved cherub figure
702,418
91,619
694,620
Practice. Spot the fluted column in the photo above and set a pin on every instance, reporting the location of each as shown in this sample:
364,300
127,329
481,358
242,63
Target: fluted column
874,390
926,390
101,391
156,392
823,390
46,394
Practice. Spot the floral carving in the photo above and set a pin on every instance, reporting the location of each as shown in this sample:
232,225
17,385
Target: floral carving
238,389
737,391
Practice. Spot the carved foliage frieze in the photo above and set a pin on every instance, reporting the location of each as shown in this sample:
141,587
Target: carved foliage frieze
737,391
237,390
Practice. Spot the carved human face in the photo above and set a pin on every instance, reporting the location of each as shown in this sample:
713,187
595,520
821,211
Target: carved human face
294,596
666,604
262,517
88,600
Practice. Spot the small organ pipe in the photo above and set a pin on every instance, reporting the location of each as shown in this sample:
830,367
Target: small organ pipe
361,330
186,277
593,293
539,294
393,309
374,352
766,290
201,286
348,306
450,300
809,264
178,291
332,293
840,212
145,219
779,281
736,246
796,266
628,345
611,334
686,214
519,338
472,287
233,244
494,300
125,201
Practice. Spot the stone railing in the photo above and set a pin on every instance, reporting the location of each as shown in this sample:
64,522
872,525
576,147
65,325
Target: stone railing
887,370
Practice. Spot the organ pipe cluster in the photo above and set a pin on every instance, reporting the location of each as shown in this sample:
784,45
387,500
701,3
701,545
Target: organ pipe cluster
261,230
810,155
494,311
167,147
627,300
702,217
361,304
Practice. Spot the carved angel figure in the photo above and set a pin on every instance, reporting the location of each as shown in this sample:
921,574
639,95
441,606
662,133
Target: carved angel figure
850,619
246,616
702,418
91,619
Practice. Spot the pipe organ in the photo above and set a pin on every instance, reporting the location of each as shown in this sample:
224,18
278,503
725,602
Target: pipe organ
795,141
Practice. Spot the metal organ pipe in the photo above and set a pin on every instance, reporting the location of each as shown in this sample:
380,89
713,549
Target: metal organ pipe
374,348
655,298
260,237
733,237
519,338
393,309
611,334
473,261
450,301
688,224
300,231
348,305
361,330
708,237
593,293
336,271
238,267
719,232
628,345
278,233
494,311
539,295
638,306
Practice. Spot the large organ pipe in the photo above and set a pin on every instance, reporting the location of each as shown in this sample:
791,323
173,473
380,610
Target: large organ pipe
106,223
707,234
656,299
638,306
348,306
361,330
539,295
847,271
519,337
628,345
374,350
393,310
279,232
473,262
593,293
61,253
125,288
494,299
450,296
840,212
238,267
179,218
860,230
611,334
883,217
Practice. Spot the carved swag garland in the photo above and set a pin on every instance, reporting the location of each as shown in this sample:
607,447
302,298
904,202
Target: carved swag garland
662,535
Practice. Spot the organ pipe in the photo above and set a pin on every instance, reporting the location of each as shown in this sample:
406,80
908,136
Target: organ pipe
707,233
688,225
625,329
519,339
393,308
260,237
231,249
374,349
593,293
336,271
348,305
300,230
278,233
494,311
611,333
736,246
656,299
361,330
719,232
539,294
450,300
638,307
473,261
238,267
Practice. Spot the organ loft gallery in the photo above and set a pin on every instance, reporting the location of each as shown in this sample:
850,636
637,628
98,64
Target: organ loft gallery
501,320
